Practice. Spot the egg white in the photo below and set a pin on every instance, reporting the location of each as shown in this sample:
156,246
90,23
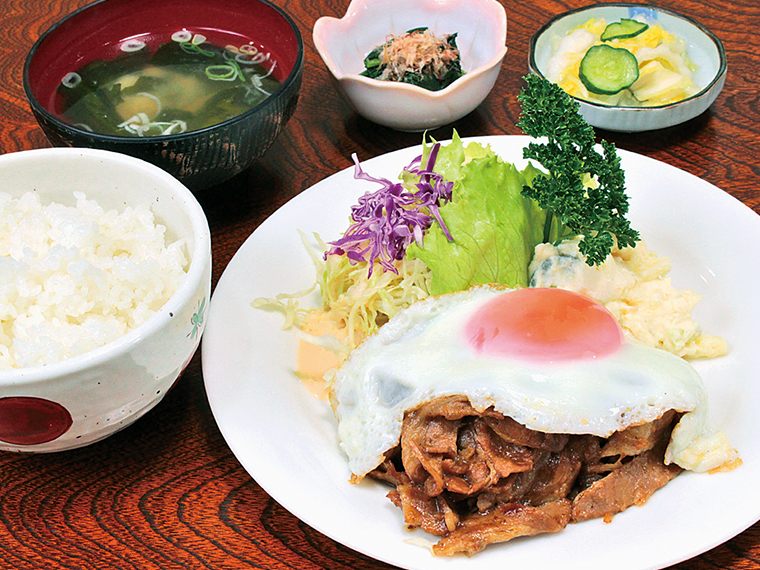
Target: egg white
420,355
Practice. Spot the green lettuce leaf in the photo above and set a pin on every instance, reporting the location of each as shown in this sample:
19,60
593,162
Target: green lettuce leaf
495,228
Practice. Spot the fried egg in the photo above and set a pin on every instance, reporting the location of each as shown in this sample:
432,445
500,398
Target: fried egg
554,360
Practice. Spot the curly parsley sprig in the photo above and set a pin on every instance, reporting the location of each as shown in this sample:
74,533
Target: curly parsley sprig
597,211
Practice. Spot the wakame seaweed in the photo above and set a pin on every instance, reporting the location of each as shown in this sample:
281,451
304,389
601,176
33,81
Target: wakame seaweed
181,86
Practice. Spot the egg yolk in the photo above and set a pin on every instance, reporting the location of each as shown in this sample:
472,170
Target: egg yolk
543,324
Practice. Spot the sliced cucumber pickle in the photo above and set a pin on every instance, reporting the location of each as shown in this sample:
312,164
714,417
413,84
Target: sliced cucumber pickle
624,29
606,70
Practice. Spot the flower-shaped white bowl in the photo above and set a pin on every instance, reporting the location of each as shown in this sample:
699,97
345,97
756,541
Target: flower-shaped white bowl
481,28
703,48
82,399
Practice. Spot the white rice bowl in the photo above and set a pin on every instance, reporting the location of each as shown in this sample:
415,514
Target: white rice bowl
105,277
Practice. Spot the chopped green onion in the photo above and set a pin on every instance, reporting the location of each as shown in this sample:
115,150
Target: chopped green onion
255,60
132,45
248,49
182,36
189,47
225,72
71,80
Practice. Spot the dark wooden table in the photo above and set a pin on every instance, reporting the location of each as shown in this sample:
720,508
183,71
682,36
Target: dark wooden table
167,492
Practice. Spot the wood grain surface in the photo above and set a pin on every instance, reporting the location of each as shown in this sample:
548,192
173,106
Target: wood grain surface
167,492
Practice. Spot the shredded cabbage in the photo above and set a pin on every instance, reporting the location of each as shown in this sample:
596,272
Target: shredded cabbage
356,301
362,303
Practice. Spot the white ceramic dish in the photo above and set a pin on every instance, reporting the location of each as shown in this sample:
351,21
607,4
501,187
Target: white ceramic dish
703,48
286,439
343,44
80,400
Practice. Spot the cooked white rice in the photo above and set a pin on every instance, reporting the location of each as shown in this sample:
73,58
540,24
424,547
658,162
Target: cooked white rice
75,278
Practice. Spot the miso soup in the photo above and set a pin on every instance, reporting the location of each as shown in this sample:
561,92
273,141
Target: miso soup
184,84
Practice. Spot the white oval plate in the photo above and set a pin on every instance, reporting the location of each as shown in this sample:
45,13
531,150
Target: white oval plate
286,439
